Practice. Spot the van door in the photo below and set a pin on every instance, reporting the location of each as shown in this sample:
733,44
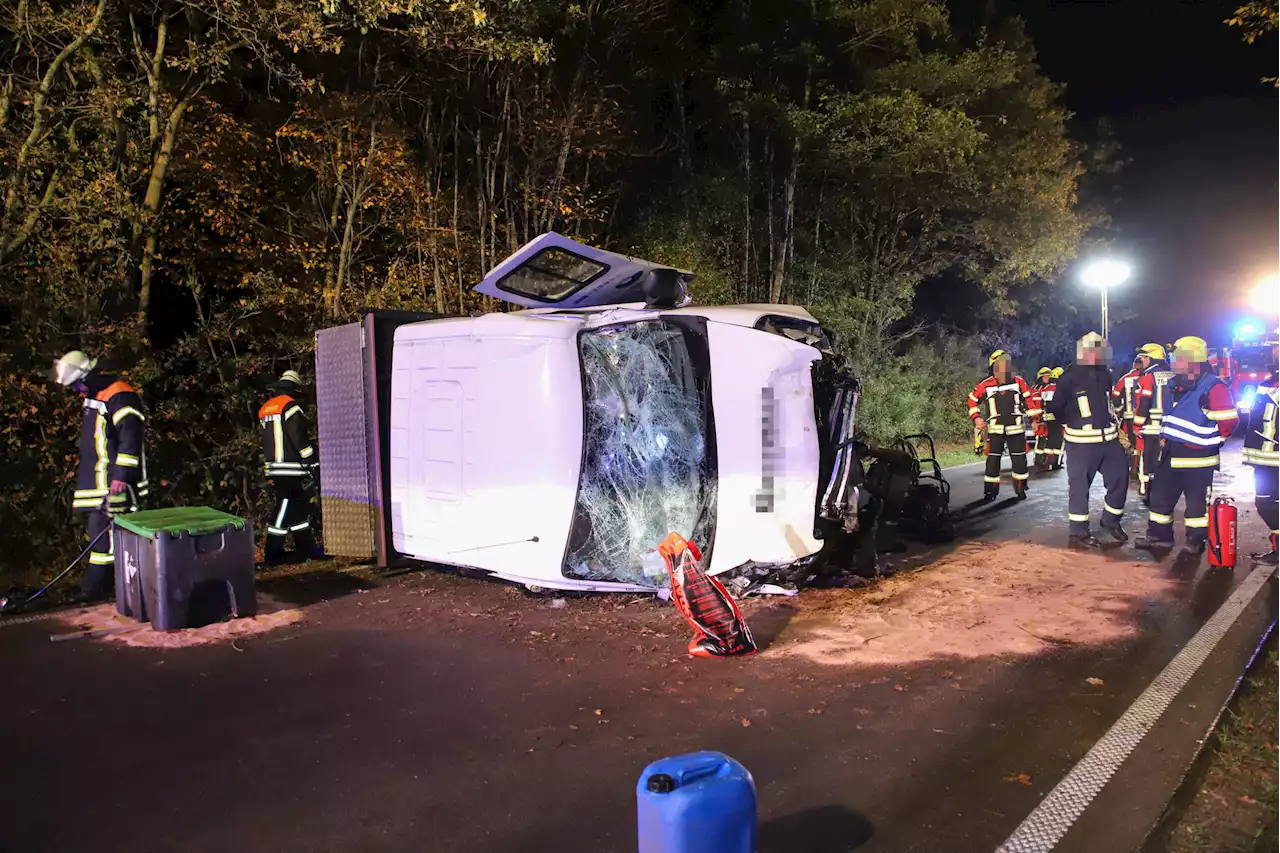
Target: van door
552,270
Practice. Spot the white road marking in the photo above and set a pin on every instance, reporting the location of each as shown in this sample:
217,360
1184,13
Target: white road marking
1050,820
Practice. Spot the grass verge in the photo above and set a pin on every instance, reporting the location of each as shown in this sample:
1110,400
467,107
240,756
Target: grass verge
1231,805
951,455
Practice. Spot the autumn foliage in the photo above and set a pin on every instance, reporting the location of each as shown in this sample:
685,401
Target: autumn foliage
191,189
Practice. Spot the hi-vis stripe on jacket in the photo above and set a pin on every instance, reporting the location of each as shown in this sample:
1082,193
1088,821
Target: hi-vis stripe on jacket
1005,406
1260,442
1198,422
111,445
1151,399
286,441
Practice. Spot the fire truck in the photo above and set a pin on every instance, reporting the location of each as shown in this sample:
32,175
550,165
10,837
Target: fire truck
1245,364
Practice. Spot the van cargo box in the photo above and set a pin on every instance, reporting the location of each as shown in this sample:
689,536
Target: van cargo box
353,414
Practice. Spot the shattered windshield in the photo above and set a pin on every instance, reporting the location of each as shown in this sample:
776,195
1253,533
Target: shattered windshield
648,464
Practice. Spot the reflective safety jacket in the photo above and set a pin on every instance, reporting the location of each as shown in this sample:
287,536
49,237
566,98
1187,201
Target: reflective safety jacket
111,443
1260,442
1004,407
1201,417
1151,398
1045,394
286,441
1083,405
1125,393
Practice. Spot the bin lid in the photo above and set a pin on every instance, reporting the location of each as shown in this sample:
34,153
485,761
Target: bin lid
192,520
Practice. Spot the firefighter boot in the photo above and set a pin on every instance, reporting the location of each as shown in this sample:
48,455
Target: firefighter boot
1114,535
1269,558
273,550
1083,542
1020,489
990,492
304,546
1156,546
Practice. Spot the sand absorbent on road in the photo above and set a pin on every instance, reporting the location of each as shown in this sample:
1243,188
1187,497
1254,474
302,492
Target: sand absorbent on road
120,629
983,599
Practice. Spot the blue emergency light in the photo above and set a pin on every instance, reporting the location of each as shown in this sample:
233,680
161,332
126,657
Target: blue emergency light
1247,329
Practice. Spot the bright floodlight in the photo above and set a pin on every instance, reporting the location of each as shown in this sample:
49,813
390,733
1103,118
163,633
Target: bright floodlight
1265,297
1105,273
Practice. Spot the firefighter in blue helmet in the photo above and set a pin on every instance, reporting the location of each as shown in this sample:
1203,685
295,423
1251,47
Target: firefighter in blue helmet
112,475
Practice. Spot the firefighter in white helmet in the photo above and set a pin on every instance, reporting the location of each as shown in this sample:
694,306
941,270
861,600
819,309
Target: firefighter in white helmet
290,468
112,474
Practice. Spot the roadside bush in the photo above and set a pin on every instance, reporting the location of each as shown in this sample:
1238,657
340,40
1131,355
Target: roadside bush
923,390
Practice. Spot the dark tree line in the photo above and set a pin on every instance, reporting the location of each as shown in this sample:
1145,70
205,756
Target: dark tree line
192,188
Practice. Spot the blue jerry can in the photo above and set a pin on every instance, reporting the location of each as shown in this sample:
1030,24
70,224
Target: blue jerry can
702,802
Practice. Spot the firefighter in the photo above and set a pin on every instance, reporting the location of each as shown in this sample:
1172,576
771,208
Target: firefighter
1148,409
290,467
112,474
1053,446
1036,433
1122,397
1198,415
1082,407
1262,451
1001,405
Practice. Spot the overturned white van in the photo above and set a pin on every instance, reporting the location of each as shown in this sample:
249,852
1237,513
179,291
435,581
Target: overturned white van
556,446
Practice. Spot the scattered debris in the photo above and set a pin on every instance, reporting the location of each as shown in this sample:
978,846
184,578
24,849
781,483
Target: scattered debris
1096,682
559,604
1020,778
746,724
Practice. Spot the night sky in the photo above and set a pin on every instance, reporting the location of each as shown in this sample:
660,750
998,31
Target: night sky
1196,209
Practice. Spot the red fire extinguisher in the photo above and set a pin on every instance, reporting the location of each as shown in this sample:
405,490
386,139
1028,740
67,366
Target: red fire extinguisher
1222,533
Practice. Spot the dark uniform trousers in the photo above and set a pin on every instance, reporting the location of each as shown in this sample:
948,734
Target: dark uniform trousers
1053,444
1266,497
1168,484
1148,462
99,579
1084,462
1016,443
291,515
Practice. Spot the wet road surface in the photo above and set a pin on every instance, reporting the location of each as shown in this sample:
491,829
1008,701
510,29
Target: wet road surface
437,713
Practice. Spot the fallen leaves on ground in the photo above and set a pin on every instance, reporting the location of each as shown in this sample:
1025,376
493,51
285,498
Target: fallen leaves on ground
1020,778
746,723
1096,682
597,712
1247,800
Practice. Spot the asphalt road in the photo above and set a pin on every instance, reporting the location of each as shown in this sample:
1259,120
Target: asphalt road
437,713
